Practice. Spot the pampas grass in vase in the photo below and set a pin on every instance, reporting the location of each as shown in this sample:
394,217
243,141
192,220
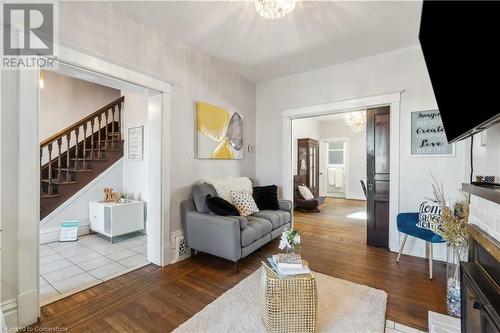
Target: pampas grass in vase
452,227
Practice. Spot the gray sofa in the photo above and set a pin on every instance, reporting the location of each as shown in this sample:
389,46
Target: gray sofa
230,237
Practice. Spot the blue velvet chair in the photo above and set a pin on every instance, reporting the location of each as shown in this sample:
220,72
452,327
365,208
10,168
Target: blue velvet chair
407,224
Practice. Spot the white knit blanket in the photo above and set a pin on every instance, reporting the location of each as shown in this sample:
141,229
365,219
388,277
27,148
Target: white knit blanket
224,185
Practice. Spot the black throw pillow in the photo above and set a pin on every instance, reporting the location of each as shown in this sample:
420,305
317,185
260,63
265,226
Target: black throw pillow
220,206
266,197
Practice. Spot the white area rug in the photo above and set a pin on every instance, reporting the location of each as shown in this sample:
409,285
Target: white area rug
343,307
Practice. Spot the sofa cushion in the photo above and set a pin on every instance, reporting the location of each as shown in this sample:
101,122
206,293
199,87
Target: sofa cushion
256,228
276,217
200,192
220,206
244,203
266,197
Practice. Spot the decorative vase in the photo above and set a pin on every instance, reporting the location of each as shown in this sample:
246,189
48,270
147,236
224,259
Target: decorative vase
454,255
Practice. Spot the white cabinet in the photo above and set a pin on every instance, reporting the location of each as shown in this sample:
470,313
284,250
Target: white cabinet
116,219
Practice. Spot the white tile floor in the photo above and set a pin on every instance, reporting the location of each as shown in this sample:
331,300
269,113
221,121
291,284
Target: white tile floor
66,268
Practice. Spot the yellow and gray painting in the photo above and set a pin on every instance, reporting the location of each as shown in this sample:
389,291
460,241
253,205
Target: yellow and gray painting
220,133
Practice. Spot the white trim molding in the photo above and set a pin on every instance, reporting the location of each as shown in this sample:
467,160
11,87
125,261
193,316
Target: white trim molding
392,100
9,311
28,198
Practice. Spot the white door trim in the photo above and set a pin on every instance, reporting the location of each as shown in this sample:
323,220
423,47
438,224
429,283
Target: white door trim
390,99
28,198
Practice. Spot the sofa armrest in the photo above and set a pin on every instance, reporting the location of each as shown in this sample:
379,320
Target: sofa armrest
212,234
285,205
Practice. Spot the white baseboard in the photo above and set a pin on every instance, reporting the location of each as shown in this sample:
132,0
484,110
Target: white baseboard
355,196
28,308
9,311
51,234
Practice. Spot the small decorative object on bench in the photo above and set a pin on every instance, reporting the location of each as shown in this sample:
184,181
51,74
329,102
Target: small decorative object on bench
289,304
108,194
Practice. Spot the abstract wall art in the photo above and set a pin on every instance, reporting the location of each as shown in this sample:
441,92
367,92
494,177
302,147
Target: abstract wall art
219,132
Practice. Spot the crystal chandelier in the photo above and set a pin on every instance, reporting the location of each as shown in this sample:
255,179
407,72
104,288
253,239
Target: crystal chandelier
274,9
356,120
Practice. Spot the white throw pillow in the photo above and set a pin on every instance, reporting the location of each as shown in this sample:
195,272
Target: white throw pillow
305,192
428,215
244,203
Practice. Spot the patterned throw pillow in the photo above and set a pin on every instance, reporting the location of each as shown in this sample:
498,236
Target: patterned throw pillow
428,215
244,203
305,192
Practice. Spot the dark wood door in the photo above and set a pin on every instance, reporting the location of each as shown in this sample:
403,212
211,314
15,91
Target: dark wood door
378,157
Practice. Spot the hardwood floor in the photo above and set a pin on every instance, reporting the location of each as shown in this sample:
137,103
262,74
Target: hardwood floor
153,299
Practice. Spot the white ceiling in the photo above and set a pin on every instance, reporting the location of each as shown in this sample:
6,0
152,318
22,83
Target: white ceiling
317,34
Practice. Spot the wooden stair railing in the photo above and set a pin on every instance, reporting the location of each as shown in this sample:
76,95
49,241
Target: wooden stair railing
88,147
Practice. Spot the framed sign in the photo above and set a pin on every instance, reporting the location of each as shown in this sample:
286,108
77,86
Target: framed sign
427,135
135,143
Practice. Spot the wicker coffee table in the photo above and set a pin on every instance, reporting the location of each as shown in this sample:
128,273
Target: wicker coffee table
290,304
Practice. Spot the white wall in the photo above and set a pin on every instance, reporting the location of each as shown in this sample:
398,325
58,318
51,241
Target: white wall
487,157
100,28
301,129
389,72
135,173
356,153
65,100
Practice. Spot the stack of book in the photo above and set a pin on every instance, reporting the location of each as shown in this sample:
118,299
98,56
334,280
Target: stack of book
286,265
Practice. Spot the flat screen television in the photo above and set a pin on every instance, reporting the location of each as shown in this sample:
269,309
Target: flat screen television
460,43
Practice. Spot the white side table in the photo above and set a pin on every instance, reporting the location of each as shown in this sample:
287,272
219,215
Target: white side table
116,219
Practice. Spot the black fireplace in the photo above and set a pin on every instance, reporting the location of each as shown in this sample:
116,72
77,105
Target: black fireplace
480,279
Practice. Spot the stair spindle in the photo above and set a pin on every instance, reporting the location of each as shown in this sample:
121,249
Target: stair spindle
119,121
92,138
77,131
68,138
59,164
99,120
49,188
106,116
113,127
84,146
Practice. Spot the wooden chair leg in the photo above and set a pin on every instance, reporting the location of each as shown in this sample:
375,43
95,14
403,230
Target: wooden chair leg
193,252
401,247
430,261
236,267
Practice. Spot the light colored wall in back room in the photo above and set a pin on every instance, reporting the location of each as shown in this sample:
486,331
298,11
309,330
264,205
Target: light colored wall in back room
101,28
65,100
356,152
301,129
402,70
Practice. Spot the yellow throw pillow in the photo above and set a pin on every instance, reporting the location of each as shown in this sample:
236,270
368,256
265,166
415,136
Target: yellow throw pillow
244,203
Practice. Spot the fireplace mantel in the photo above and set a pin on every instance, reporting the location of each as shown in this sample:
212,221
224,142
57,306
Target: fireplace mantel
489,193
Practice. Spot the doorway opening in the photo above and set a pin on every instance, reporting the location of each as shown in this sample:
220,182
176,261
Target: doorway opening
98,161
354,153
341,166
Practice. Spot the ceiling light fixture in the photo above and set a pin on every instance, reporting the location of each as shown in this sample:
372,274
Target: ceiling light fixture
356,120
274,9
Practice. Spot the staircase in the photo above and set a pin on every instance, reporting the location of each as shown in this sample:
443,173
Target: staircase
73,157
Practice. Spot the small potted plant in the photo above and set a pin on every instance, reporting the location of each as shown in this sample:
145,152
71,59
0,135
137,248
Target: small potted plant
290,240
123,197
